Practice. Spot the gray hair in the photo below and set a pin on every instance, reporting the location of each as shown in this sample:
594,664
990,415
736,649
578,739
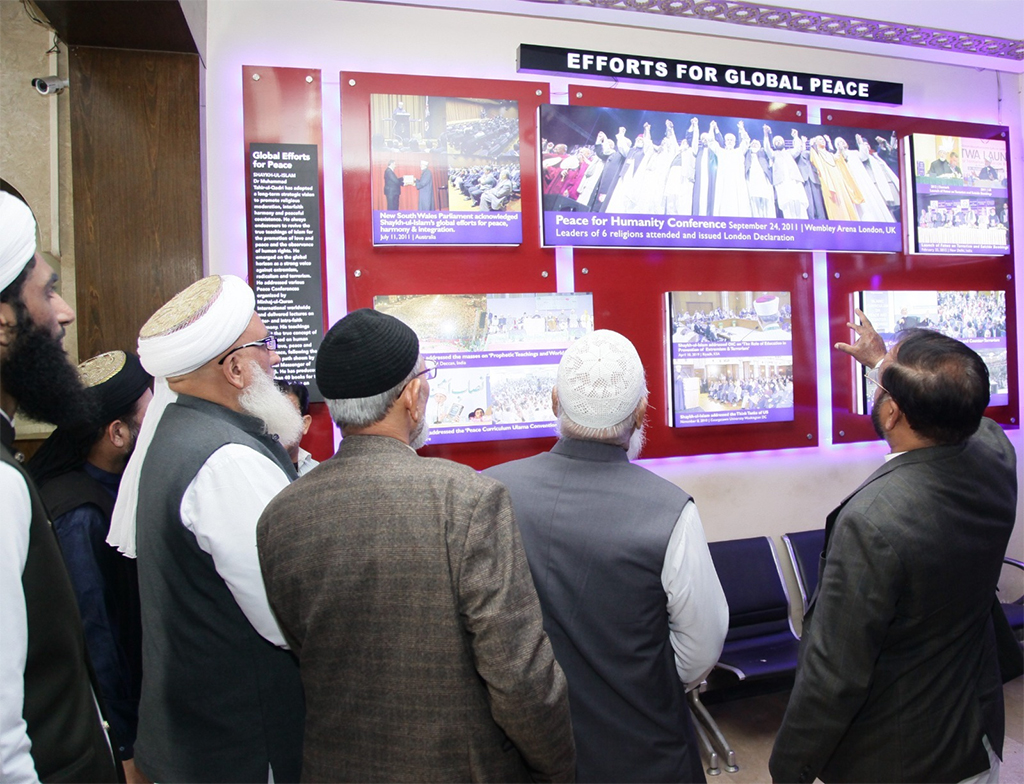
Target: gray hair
366,411
617,434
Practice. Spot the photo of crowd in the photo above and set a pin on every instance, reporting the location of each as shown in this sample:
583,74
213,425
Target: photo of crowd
762,383
626,161
496,358
730,317
977,318
960,195
731,356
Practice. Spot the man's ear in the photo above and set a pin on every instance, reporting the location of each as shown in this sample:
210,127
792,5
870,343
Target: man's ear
117,433
234,371
892,416
8,324
307,420
410,398
641,412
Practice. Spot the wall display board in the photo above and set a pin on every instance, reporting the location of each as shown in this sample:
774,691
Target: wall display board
959,194
496,357
731,357
641,316
284,187
959,296
445,170
977,318
850,274
370,101
645,177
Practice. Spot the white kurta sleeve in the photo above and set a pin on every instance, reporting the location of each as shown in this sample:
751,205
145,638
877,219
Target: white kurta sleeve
16,763
698,614
221,507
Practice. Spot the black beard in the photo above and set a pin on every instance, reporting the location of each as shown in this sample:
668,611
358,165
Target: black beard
876,419
38,374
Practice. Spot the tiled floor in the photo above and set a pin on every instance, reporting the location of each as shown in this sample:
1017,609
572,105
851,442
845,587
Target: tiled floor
750,723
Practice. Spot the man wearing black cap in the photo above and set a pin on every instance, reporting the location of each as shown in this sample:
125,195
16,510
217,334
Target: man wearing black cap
78,470
401,584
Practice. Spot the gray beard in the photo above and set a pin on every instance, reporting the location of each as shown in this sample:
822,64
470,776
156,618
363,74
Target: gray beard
420,434
636,442
263,400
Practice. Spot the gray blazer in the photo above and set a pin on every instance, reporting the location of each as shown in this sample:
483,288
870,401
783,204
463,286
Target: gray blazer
402,586
898,678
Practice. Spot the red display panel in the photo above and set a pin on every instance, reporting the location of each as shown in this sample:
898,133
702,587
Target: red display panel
282,106
403,269
629,294
409,269
851,273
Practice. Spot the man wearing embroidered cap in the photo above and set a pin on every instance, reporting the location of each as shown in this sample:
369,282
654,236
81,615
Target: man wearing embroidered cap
631,599
221,697
78,470
50,726
402,586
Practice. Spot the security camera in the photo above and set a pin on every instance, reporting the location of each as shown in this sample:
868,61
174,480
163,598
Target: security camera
49,85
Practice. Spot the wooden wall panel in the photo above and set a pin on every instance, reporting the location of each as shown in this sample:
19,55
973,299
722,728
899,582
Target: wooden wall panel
136,174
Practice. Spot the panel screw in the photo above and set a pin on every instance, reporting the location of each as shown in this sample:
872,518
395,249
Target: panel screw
585,271
351,82
836,275
358,273
255,77
544,274
842,433
805,276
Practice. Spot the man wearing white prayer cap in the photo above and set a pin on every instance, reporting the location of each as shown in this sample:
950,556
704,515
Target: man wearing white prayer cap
630,596
221,697
50,724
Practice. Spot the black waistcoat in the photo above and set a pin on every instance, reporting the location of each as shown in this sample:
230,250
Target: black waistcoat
219,703
68,743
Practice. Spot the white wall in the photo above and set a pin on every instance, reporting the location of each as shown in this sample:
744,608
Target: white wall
739,495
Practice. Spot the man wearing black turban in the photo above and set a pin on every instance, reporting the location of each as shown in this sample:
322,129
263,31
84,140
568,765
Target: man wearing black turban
77,471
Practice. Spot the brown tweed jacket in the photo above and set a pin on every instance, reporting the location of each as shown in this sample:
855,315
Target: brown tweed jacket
402,586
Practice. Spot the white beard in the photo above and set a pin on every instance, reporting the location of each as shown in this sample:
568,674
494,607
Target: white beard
263,400
636,442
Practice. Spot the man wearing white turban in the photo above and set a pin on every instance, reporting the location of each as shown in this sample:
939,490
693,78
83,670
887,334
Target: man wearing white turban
50,724
221,697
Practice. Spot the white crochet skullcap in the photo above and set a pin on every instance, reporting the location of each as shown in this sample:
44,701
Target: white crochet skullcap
600,380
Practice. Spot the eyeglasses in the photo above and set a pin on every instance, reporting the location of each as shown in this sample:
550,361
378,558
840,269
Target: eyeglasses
874,376
429,371
269,343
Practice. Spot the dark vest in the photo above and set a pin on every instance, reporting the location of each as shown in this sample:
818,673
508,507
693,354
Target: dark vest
68,742
595,529
219,703
117,666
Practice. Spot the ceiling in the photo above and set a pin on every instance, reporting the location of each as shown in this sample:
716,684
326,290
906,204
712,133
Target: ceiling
981,33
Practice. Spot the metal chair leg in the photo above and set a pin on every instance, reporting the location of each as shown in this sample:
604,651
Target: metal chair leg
717,738
712,769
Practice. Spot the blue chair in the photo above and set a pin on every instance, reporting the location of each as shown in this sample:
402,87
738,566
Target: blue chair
1014,609
805,549
760,642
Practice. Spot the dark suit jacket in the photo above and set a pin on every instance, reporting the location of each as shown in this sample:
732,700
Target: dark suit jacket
402,586
898,678
392,183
